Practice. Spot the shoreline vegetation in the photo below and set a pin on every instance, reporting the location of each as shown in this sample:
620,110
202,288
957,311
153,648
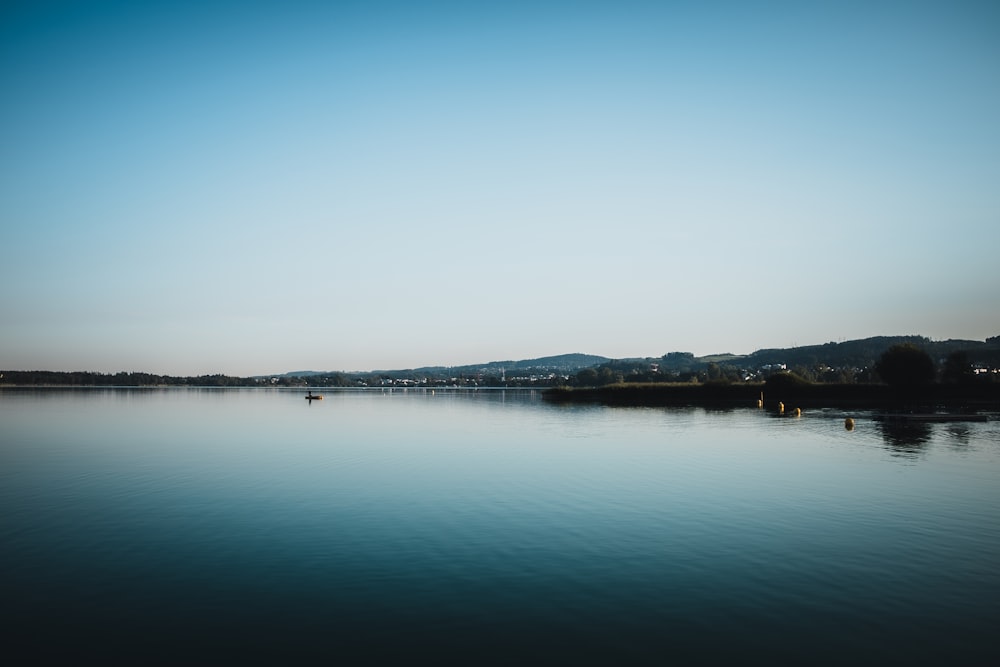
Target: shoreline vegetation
894,373
797,395
910,383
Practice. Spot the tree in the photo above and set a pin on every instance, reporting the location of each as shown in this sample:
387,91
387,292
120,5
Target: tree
607,376
586,378
905,366
957,368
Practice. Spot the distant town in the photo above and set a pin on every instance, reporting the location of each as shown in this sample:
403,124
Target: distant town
846,362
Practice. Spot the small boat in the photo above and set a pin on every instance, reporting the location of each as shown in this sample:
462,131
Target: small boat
314,397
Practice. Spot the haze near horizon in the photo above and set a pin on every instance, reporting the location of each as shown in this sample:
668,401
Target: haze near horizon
247,188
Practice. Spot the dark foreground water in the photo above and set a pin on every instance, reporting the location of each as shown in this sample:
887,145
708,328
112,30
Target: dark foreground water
201,526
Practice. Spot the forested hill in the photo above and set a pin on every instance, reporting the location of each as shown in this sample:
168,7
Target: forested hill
565,363
862,353
845,354
845,361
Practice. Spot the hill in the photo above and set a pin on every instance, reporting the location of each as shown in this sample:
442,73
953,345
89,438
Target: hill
562,363
863,353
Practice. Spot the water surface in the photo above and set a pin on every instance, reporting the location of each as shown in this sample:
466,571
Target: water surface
489,526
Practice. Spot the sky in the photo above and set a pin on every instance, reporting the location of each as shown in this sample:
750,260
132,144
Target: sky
248,188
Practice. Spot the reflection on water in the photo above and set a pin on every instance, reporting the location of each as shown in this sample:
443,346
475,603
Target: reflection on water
488,526
907,439
959,435
719,409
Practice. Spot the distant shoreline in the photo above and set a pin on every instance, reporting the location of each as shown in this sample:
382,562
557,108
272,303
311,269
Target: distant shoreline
951,397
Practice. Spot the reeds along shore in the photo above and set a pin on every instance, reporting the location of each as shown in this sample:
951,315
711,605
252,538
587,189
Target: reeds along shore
981,397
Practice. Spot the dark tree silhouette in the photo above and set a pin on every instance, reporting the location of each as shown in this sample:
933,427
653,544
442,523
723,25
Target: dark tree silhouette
957,368
905,366
784,381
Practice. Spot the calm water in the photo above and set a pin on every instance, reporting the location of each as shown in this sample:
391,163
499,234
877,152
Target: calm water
474,527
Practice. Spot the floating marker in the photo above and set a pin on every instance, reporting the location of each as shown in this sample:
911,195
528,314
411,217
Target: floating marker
849,424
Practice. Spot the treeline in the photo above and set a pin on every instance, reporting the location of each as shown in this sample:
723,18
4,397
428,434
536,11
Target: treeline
123,379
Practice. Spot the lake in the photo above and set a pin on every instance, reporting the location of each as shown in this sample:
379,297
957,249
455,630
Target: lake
488,526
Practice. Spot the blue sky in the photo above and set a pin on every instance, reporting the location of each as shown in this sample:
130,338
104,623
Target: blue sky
255,187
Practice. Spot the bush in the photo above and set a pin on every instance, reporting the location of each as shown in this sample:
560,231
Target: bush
784,381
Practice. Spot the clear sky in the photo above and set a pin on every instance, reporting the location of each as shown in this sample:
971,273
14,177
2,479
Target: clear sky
257,187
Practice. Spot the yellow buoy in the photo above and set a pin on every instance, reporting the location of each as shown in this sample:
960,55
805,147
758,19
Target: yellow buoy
849,424
781,408
798,412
